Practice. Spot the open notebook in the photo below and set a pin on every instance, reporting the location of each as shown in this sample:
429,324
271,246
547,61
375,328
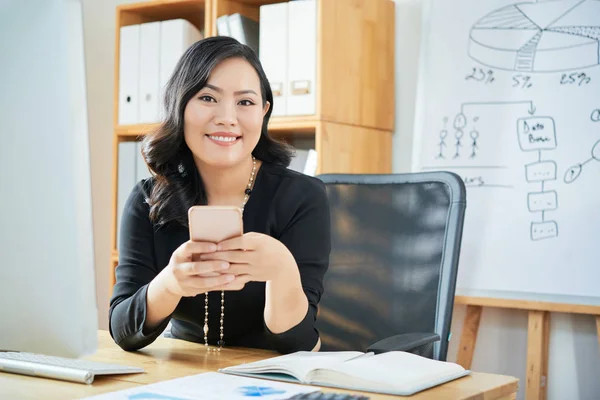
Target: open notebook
395,372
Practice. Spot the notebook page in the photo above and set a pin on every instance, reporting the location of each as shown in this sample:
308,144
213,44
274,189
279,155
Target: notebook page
299,363
395,369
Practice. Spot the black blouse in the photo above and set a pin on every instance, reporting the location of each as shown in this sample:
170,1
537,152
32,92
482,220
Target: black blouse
284,204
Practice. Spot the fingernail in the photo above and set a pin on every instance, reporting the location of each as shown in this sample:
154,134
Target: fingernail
212,247
230,278
225,265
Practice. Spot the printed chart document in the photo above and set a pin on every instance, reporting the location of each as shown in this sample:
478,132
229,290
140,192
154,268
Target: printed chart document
394,372
209,386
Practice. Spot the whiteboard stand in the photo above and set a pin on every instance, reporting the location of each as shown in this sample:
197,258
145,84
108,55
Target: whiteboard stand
538,333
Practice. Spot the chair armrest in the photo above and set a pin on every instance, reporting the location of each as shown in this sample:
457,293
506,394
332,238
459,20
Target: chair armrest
403,342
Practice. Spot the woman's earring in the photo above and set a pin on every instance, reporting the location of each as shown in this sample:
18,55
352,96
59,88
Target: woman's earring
181,169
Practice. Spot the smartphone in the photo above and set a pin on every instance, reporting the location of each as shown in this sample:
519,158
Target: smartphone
215,223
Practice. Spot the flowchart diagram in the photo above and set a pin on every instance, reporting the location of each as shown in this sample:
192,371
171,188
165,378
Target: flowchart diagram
535,134
508,100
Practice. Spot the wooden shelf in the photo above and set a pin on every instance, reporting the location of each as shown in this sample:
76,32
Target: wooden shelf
132,132
277,125
191,10
301,124
258,3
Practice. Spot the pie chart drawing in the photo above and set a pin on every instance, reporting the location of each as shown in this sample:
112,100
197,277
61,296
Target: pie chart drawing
545,36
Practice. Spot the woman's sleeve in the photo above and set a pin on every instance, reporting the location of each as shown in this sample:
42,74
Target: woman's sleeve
308,237
136,269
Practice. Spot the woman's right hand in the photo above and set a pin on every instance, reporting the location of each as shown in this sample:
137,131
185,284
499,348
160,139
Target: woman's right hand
186,277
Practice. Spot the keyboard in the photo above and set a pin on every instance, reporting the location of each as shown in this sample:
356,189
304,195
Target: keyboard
67,369
328,396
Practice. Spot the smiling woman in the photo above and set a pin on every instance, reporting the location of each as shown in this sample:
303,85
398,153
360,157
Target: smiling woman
223,122
258,290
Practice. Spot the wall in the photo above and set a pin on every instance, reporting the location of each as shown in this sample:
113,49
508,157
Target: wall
501,346
99,42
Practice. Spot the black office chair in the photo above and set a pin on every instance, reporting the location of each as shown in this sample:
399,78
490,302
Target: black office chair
395,248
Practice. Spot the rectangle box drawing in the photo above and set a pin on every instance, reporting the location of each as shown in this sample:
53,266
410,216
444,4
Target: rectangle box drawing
536,133
540,171
542,201
543,230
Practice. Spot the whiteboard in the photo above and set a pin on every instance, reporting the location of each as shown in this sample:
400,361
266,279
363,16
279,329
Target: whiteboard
509,99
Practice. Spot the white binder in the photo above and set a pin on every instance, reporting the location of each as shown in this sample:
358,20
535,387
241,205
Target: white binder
244,30
310,168
223,25
126,179
141,169
302,57
132,169
305,161
129,56
176,36
149,70
273,52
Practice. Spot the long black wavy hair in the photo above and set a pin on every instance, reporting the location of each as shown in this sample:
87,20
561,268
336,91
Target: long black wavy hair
177,183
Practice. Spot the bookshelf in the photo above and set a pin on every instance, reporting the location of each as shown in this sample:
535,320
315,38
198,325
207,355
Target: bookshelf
354,121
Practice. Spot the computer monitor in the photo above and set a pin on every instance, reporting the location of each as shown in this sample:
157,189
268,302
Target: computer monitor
47,278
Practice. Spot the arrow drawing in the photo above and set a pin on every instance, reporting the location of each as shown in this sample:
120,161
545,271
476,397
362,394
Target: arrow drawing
531,109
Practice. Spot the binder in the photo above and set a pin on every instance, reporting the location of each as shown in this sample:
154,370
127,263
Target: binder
310,167
149,72
132,169
305,161
302,57
126,179
244,30
223,25
176,36
141,168
273,52
129,52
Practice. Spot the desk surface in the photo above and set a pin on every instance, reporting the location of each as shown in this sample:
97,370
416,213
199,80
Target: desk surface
171,358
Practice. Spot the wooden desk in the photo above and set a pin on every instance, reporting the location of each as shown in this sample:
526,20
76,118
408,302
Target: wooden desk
170,358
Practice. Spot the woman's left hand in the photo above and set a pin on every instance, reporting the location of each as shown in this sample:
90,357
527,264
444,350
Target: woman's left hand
254,257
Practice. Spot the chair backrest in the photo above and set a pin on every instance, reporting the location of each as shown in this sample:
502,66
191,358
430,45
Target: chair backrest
395,249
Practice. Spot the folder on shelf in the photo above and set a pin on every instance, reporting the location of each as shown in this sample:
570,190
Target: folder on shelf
148,55
241,28
129,58
132,169
302,57
273,50
305,161
176,36
223,25
141,168
288,53
126,179
149,70
244,29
